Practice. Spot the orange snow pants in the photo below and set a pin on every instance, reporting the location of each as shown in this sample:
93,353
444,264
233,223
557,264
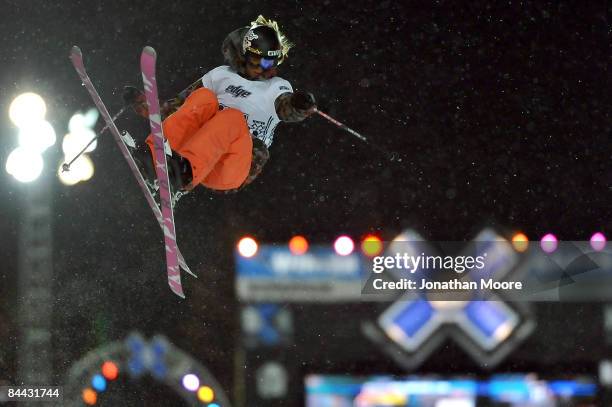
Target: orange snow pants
217,143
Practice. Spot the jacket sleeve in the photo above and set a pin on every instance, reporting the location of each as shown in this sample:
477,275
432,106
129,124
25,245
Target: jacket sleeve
172,105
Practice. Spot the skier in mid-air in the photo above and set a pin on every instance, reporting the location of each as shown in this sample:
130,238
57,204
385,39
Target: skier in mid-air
220,128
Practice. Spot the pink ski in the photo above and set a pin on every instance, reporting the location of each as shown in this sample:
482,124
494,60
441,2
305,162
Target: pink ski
77,61
147,66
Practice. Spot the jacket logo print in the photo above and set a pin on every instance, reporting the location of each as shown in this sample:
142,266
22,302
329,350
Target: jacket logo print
237,91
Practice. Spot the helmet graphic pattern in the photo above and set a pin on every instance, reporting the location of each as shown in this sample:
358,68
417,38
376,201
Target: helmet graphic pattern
265,39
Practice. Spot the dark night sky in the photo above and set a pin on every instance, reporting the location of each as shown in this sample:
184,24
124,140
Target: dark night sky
500,111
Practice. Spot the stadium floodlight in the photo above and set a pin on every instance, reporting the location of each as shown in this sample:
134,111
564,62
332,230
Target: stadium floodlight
80,128
24,164
37,135
27,108
81,170
27,111
80,139
80,120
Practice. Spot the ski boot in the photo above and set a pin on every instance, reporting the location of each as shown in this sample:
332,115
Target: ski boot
144,161
180,176
179,168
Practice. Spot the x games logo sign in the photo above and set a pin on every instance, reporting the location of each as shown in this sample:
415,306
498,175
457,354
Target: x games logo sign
488,329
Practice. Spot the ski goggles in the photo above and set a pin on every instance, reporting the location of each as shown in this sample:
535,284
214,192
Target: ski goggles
264,63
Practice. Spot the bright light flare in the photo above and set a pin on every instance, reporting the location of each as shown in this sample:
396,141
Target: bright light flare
371,245
24,164
598,241
247,247
37,136
344,245
520,242
191,382
80,170
74,142
298,245
80,133
549,243
27,108
80,121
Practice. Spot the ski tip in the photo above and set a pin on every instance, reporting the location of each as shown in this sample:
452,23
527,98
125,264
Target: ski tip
75,50
149,50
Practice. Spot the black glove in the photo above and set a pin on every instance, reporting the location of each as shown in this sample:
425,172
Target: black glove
303,100
132,95
136,98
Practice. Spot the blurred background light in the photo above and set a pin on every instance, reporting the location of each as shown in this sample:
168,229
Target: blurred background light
247,247
27,111
90,397
344,245
24,164
520,242
549,243
110,370
371,246
68,177
27,108
206,394
159,370
298,245
80,170
492,320
98,382
135,367
80,121
37,135
598,241
73,143
191,382
80,128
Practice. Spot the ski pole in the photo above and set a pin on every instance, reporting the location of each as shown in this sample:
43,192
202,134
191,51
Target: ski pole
391,156
183,94
66,166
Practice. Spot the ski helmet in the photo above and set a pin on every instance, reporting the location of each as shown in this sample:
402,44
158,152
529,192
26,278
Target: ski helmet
264,39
